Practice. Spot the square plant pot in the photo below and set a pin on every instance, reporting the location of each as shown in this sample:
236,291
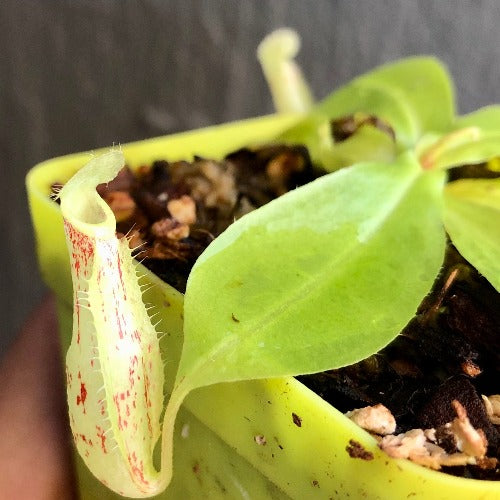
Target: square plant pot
258,439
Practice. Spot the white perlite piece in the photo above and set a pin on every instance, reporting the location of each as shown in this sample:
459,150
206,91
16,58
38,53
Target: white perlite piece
377,419
183,209
260,439
221,189
415,446
492,405
419,445
469,440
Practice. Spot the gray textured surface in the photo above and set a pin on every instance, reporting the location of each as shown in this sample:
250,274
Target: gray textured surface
76,75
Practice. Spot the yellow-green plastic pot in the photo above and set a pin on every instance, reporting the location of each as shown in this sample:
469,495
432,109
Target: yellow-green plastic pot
239,440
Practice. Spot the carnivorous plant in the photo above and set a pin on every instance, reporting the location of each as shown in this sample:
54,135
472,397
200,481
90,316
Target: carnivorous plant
322,277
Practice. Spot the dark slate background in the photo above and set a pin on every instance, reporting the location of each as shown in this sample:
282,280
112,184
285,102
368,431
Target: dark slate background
80,74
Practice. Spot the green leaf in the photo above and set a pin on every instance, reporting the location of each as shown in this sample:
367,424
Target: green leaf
312,281
474,138
472,219
478,150
413,96
487,119
367,144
